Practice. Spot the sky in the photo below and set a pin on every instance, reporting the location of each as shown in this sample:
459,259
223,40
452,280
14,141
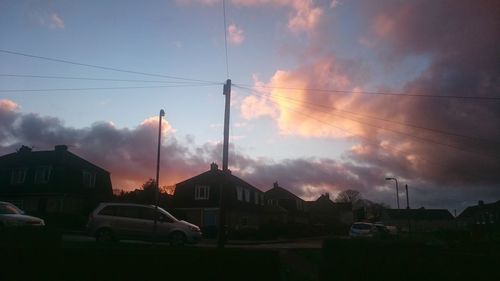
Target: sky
327,95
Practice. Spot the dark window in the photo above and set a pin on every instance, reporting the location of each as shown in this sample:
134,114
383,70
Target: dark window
108,211
42,174
128,211
6,209
18,175
147,214
362,226
88,179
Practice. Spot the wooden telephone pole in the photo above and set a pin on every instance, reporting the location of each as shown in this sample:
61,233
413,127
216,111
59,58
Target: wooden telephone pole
225,163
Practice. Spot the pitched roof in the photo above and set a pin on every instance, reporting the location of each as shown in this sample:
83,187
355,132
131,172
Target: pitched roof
471,211
419,214
26,157
216,174
278,192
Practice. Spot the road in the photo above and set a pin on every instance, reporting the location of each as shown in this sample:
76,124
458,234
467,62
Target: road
79,240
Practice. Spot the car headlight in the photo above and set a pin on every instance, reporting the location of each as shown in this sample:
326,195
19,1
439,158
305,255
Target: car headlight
194,228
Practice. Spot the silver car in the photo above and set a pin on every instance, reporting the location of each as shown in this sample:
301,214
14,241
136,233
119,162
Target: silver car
115,221
12,216
363,230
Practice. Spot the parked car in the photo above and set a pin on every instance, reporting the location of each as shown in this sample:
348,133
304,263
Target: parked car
363,230
115,221
12,216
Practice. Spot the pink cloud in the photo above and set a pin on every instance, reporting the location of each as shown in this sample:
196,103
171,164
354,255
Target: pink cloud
8,105
236,36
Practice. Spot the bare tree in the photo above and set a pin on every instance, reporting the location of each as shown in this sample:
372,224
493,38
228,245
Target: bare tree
348,196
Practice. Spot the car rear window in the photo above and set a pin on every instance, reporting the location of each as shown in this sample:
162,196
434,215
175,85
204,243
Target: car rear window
361,226
6,209
107,211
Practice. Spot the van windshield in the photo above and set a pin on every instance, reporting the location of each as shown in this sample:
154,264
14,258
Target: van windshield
167,214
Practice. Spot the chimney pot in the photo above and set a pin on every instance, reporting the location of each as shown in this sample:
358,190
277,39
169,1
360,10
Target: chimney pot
275,184
61,147
213,167
24,149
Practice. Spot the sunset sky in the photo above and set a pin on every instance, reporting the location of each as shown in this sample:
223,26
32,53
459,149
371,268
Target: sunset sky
327,95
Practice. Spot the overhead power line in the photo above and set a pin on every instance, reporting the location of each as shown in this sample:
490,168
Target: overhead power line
225,37
422,139
383,119
102,67
100,88
106,79
379,93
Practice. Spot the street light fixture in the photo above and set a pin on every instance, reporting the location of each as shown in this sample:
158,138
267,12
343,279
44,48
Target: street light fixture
157,189
397,188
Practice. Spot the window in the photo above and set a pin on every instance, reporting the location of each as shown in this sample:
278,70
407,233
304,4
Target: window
147,214
107,211
18,175
128,211
256,198
202,192
42,174
88,179
262,200
239,193
247,195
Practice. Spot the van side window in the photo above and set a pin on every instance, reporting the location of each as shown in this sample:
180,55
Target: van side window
147,214
128,211
108,211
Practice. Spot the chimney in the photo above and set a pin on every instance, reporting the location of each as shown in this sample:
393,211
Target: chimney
327,195
480,203
61,147
213,167
24,149
275,184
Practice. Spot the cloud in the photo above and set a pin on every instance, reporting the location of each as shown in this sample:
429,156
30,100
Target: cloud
304,17
48,19
56,22
236,36
130,155
433,147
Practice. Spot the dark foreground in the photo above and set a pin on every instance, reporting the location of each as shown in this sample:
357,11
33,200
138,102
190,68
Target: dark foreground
42,256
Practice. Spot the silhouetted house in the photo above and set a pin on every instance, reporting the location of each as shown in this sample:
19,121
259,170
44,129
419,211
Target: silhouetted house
418,220
52,182
197,200
294,206
324,212
481,214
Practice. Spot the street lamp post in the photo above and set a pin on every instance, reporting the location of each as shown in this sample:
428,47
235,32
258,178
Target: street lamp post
397,188
407,198
157,189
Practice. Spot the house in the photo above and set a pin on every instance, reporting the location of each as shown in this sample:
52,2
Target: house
198,200
294,206
480,215
55,182
324,212
418,220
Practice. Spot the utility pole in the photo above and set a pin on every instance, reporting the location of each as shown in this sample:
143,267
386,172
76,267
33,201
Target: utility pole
225,164
157,189
225,148
407,198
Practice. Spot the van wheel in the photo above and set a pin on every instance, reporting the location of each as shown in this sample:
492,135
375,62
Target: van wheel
177,238
105,235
